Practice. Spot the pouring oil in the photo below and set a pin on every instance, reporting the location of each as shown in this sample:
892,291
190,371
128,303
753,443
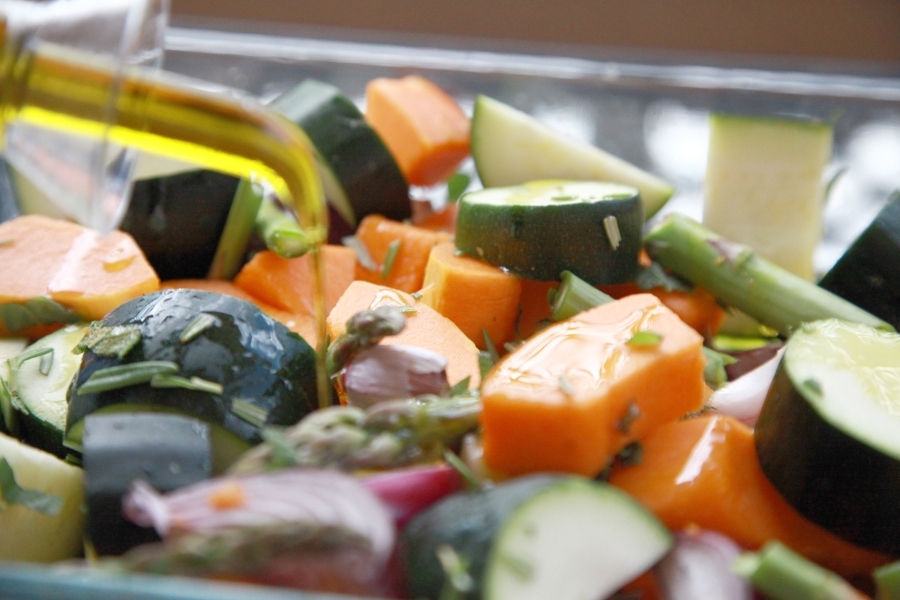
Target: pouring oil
167,115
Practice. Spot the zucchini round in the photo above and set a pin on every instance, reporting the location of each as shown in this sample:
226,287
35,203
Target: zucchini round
828,436
359,174
266,372
538,230
534,537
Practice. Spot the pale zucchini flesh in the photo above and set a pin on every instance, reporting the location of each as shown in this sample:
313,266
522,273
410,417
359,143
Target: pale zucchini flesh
764,186
511,147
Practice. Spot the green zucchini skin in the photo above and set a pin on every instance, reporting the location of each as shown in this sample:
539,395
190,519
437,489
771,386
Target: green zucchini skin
165,450
833,478
468,522
539,242
361,164
177,220
868,273
255,358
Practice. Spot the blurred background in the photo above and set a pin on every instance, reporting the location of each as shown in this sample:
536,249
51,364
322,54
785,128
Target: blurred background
850,35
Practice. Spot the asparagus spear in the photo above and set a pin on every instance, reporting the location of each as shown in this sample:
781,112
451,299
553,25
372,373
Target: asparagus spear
574,296
280,231
782,574
737,276
364,330
387,435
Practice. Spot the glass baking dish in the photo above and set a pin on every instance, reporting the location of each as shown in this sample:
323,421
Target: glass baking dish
652,114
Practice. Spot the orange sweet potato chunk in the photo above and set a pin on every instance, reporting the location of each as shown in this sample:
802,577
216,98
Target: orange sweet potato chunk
705,472
579,391
425,328
406,271
422,126
287,283
72,265
473,294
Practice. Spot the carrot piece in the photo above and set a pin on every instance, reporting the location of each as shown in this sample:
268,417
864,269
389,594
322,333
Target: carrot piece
400,252
705,472
303,325
579,391
287,283
72,265
473,294
425,328
422,126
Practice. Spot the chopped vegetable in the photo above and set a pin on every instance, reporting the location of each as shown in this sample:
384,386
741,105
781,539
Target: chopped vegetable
473,294
531,422
422,125
738,277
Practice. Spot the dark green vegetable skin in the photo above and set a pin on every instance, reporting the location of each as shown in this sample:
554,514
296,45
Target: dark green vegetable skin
255,358
466,521
868,274
177,220
830,477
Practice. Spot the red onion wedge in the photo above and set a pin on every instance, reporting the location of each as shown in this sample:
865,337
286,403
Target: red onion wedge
699,567
311,529
406,492
743,398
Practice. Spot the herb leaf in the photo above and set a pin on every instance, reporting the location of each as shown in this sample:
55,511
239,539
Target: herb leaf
12,493
392,250
456,186
116,341
362,253
645,339
201,323
119,376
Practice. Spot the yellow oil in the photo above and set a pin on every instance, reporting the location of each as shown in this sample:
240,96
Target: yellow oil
163,114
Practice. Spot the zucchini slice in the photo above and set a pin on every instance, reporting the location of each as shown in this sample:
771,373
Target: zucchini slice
764,186
868,273
250,370
165,450
542,228
535,537
39,380
359,174
511,147
828,436
27,534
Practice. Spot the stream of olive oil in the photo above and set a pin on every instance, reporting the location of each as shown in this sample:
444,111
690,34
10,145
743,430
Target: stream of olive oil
167,115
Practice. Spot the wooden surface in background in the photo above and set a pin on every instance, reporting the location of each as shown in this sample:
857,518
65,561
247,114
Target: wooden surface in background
853,30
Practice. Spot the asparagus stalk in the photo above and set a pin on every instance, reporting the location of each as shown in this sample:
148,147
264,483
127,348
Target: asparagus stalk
738,277
238,229
782,574
280,231
388,435
573,296
364,330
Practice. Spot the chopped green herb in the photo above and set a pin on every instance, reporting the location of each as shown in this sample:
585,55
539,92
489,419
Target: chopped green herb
37,311
645,339
196,384
611,227
631,413
714,372
472,482
201,323
120,376
631,455
456,186
248,412
12,494
460,386
28,355
406,309
485,362
812,386
46,363
362,253
116,341
490,347
392,250
562,198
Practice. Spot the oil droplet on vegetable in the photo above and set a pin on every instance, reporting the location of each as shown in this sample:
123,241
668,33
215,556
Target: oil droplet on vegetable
119,257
